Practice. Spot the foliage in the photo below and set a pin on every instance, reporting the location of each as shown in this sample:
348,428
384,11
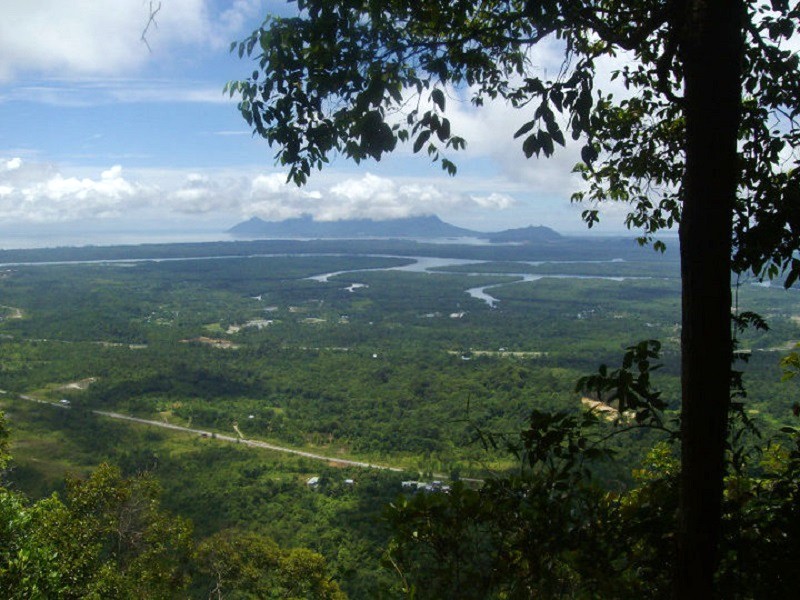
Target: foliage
106,539
3,443
554,329
109,538
253,566
342,78
631,390
555,530
410,406
558,534
705,136
317,383
548,530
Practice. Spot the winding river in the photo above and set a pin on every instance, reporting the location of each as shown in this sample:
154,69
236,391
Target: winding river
420,264
426,264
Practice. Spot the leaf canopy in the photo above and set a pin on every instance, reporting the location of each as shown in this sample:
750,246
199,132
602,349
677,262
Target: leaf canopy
355,77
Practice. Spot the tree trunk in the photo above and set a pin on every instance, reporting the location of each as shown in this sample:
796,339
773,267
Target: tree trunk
711,51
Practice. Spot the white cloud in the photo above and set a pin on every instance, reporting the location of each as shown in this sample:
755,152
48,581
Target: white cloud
81,36
200,194
381,198
40,194
494,200
489,133
89,37
89,92
491,148
163,92
241,15
270,197
377,197
34,192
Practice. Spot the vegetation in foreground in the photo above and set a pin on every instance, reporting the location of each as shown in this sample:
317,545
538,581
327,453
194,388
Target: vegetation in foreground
703,135
549,529
380,371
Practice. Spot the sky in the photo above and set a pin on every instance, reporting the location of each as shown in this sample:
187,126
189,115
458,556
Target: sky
102,131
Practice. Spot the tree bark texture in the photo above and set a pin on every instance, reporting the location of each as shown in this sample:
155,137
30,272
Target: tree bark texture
711,51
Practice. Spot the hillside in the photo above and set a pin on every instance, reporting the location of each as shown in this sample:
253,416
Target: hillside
306,227
525,235
409,227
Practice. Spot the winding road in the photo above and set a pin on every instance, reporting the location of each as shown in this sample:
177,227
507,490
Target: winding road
231,439
246,442
218,436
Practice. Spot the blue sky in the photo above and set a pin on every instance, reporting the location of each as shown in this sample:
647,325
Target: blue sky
98,130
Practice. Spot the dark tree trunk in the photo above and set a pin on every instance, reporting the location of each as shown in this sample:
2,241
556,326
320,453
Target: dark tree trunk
711,51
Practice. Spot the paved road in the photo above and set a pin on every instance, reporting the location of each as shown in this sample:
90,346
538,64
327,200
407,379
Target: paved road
253,443
218,436
230,438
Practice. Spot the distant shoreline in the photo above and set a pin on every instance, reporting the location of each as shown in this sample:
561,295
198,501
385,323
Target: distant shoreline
49,240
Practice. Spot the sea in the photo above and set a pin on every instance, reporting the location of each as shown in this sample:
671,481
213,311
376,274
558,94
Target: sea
48,238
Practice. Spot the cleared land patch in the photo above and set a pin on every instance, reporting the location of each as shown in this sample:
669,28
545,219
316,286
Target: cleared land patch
12,312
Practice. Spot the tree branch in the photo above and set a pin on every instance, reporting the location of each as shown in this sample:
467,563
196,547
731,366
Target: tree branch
151,21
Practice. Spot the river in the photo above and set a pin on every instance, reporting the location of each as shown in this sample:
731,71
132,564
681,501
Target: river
420,264
426,264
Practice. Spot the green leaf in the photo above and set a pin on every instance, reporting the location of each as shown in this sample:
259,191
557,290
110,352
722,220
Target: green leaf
421,139
546,142
444,130
531,146
588,154
791,278
437,96
524,129
448,166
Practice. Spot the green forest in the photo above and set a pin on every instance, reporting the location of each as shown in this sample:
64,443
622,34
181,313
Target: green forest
557,417
378,363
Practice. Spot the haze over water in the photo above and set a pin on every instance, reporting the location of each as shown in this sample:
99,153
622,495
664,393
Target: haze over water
49,238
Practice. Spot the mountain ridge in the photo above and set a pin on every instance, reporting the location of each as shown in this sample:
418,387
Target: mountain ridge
430,226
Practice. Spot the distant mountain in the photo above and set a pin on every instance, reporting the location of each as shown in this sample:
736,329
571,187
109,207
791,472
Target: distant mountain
409,227
525,235
306,227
